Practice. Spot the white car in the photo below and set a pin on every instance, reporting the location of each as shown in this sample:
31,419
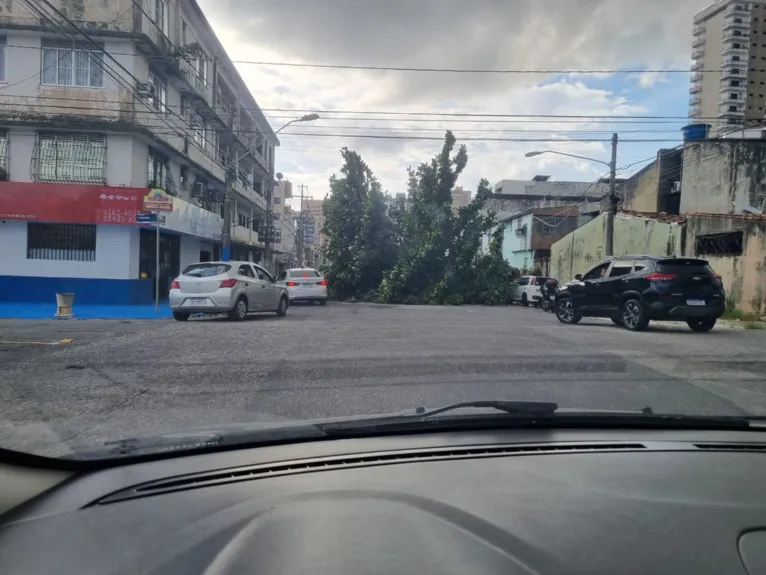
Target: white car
234,288
305,284
527,290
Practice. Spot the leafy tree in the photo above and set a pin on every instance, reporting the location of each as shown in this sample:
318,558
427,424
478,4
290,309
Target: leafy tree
423,254
360,245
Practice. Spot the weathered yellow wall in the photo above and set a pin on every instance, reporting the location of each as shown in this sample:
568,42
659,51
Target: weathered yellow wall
643,195
584,248
744,276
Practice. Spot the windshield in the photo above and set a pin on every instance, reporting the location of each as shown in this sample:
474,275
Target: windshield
326,209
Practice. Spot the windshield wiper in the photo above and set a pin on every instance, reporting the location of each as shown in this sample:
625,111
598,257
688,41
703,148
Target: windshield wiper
529,408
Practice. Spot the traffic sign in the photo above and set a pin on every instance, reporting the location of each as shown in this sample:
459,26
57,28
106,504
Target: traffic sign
158,201
146,218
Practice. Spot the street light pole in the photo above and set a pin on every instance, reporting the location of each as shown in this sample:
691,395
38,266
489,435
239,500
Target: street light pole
613,199
612,209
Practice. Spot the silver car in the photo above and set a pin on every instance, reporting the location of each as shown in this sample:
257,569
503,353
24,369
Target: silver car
234,288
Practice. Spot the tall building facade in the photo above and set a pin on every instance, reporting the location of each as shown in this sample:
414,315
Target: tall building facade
728,86
460,198
101,102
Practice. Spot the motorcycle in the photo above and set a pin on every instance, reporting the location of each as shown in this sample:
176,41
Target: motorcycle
548,293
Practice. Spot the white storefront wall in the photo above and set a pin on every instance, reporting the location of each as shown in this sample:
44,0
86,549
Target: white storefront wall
116,255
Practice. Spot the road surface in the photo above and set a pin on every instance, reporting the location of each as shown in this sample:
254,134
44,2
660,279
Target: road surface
127,378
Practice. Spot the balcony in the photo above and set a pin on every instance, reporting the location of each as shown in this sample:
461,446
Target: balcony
738,23
726,98
740,10
696,88
699,30
733,74
697,53
694,101
244,235
726,112
698,41
727,87
741,50
697,65
733,61
735,35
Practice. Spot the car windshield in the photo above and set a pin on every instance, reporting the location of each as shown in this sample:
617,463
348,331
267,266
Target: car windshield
326,210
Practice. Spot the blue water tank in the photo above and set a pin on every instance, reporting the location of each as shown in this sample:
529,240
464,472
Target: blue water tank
696,132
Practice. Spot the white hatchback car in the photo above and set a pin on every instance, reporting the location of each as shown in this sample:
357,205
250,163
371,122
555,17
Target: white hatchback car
305,284
234,288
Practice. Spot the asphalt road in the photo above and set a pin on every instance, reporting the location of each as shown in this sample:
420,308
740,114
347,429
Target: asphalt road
126,378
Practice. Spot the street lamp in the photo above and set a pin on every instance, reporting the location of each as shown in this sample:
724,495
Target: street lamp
306,118
612,194
540,153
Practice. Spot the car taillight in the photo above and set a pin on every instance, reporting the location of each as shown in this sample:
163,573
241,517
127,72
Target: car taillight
323,283
291,284
175,285
717,277
656,276
229,283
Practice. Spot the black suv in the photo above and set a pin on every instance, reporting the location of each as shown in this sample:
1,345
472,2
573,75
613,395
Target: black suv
632,290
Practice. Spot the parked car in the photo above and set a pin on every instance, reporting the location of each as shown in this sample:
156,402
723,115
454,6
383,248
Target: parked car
527,290
235,288
305,284
633,290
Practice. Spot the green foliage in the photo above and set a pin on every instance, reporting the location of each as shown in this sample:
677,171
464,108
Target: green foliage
424,254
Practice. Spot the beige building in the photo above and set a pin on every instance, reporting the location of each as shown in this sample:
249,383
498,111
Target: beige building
285,254
460,198
316,209
729,42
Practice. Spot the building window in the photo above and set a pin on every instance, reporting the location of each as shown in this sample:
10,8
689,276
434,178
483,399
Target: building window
161,16
184,32
198,129
70,158
200,65
65,65
277,200
159,97
720,244
159,175
185,178
68,242
242,218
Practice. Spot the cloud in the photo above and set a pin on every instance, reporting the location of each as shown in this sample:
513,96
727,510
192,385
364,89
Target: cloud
565,35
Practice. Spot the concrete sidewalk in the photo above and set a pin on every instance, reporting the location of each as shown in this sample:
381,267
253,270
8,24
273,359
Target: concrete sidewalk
48,311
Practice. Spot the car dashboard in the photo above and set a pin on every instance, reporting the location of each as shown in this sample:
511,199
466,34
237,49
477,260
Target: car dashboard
508,501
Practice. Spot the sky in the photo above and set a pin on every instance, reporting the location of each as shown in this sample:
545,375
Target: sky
566,37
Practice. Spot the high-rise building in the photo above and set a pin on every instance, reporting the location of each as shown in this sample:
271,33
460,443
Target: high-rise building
460,198
729,54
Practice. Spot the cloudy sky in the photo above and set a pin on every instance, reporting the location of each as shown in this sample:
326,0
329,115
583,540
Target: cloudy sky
564,36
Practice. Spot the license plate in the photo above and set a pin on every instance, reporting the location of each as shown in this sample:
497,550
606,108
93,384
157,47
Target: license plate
695,302
197,300
304,286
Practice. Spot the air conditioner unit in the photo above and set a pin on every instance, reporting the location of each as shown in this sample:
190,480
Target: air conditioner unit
145,89
198,190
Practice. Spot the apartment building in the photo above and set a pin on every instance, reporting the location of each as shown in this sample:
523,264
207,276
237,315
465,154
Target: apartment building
284,220
101,102
728,85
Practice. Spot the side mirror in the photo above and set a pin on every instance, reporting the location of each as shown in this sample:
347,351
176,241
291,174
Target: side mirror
578,277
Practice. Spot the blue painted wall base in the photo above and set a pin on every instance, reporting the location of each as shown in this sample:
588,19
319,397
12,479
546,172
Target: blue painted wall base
88,291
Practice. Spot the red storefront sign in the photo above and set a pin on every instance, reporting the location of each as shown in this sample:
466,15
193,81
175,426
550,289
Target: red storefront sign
70,203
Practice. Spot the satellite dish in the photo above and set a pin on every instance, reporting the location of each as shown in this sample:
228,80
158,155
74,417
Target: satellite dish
279,175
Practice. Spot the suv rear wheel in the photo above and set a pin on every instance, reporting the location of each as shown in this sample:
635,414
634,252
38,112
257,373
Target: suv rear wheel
524,300
566,313
701,325
633,315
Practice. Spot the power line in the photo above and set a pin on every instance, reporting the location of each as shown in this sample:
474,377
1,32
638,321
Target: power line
469,70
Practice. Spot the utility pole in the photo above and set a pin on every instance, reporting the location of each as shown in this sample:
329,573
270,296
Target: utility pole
612,209
271,229
231,179
300,228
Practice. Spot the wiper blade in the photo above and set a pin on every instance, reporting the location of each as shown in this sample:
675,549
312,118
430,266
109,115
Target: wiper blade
523,408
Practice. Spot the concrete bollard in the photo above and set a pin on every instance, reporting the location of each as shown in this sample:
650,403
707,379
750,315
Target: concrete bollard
64,302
